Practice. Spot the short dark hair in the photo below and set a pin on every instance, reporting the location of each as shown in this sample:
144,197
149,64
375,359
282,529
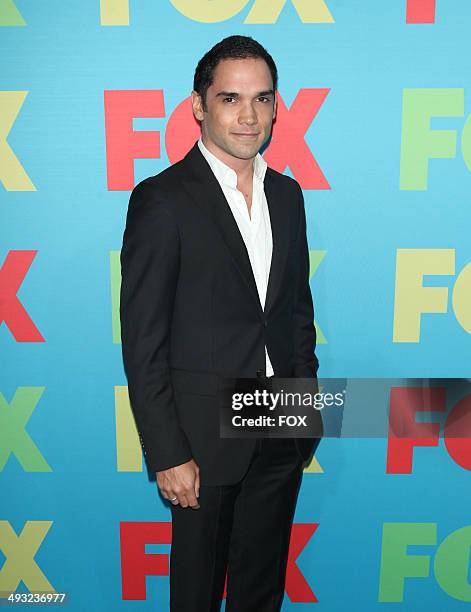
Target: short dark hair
232,47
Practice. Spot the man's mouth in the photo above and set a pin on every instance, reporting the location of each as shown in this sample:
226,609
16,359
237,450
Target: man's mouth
246,134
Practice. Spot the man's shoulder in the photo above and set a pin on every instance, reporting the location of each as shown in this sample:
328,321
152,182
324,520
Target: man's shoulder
164,182
288,190
282,180
158,194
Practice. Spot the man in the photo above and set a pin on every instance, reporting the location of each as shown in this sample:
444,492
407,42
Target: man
215,283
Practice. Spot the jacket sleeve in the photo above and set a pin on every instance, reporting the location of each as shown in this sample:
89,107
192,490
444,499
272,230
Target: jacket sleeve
305,360
149,275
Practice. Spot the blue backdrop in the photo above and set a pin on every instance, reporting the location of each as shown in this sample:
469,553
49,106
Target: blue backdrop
377,101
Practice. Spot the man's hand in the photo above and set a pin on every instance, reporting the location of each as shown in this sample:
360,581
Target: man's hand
181,484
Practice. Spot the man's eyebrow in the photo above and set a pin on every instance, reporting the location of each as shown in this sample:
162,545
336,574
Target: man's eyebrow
228,94
234,94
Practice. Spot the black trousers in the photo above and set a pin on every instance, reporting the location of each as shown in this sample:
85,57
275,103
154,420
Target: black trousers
242,528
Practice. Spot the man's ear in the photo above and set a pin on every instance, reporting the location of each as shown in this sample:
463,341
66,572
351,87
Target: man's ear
197,105
275,105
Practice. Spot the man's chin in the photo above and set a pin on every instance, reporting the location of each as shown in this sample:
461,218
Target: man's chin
245,152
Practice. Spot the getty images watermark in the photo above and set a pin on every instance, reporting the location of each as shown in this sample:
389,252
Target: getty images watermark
275,407
273,401
408,408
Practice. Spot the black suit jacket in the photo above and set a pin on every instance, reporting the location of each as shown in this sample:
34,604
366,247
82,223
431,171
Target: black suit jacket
190,312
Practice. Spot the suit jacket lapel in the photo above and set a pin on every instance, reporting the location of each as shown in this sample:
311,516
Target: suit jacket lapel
208,195
206,192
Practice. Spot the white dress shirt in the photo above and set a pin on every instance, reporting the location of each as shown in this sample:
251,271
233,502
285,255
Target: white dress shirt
255,228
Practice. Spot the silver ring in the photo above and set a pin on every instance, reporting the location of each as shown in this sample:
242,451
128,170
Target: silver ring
173,499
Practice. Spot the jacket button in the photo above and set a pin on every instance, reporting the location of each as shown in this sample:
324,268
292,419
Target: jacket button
265,322
261,373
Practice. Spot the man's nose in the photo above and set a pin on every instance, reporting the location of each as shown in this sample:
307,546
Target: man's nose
248,115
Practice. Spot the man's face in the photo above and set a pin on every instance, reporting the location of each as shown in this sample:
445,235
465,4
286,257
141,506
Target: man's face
240,108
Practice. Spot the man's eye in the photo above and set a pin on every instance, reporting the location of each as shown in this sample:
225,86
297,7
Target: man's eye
264,99
228,99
